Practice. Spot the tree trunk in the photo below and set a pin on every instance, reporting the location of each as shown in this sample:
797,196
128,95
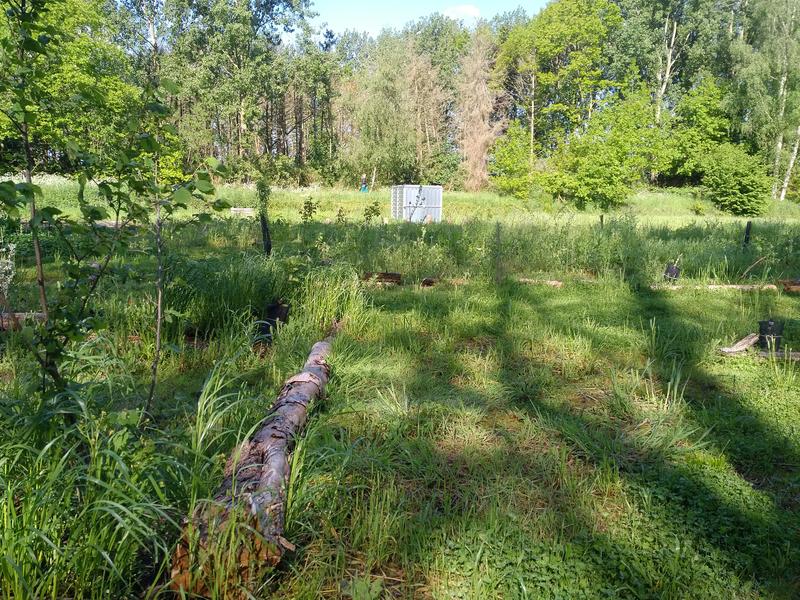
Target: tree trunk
238,535
159,313
37,246
790,167
266,239
533,113
298,125
664,75
776,167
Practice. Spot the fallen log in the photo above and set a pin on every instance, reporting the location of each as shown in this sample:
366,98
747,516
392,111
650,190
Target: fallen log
742,345
388,278
238,211
780,355
233,539
550,283
744,288
791,286
14,321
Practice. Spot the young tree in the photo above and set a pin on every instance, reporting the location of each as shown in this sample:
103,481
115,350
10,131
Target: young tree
766,98
659,36
26,55
555,66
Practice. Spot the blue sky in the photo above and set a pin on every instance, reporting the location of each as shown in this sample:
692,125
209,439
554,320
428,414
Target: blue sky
374,15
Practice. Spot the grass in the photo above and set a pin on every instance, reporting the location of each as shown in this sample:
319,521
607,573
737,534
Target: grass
514,441
479,439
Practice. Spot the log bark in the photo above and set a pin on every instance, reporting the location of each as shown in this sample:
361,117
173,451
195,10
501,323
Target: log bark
391,278
791,285
744,288
235,538
742,345
780,355
9,321
551,283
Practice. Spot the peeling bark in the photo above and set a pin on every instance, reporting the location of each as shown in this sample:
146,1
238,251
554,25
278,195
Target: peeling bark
14,320
790,167
235,538
742,345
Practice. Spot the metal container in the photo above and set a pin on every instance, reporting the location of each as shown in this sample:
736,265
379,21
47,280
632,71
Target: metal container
417,203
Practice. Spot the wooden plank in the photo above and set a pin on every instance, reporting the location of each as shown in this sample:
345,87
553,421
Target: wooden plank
387,278
743,288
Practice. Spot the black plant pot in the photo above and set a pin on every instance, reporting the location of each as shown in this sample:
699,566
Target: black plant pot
672,272
770,334
275,313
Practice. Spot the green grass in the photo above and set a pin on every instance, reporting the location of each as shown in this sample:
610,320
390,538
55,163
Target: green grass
516,441
479,439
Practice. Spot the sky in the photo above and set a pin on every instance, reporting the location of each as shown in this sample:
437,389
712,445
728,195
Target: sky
373,15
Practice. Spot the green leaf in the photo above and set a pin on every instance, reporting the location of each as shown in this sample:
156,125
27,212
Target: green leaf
204,186
170,85
220,204
182,195
157,108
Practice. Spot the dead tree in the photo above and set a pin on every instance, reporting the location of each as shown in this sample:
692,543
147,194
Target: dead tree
233,539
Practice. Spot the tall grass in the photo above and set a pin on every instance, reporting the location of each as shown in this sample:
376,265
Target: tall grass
481,438
91,506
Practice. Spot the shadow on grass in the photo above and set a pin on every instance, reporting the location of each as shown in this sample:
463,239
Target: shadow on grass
531,480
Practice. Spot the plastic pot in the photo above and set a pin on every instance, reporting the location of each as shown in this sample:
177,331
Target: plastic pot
672,272
770,334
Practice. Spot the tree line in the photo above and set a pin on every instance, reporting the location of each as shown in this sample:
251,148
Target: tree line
585,100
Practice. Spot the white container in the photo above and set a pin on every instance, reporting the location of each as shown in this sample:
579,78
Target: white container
417,203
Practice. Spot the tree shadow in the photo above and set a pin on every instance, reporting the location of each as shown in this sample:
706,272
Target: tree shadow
695,522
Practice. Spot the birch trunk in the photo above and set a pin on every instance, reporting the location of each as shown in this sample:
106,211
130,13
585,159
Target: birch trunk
235,538
668,62
533,113
776,166
790,167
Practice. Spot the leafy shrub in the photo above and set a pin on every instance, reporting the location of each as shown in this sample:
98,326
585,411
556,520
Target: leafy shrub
700,125
601,165
443,168
698,209
510,164
593,177
735,181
